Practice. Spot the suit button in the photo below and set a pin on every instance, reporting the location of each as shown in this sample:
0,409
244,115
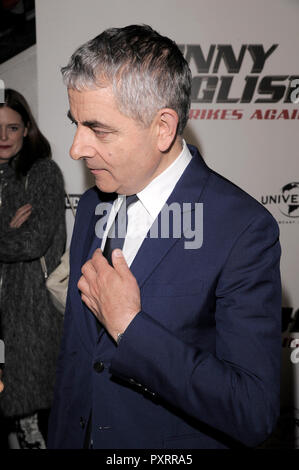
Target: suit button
98,366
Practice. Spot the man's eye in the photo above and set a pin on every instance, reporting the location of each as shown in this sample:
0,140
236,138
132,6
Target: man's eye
101,133
14,128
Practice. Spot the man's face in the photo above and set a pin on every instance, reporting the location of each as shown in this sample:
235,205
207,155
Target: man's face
121,153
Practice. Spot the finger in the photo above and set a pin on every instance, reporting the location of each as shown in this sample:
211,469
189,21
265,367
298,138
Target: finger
18,220
99,261
88,302
13,223
83,286
1,386
99,254
88,270
21,219
25,207
120,263
22,210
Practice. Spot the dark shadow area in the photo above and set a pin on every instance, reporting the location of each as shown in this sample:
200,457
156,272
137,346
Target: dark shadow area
286,433
17,27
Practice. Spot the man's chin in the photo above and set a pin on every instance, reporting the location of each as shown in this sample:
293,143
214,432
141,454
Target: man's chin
105,186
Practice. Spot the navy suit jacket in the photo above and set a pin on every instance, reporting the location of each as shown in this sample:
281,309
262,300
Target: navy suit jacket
199,366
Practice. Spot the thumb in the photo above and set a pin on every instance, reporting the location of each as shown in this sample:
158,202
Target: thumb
119,261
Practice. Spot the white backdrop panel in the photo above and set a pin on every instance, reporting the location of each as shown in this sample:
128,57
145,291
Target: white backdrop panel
260,155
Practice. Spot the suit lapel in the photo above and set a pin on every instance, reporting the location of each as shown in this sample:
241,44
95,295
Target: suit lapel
91,240
85,318
188,189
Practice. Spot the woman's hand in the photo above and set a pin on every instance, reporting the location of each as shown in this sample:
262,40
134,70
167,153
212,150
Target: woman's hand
21,216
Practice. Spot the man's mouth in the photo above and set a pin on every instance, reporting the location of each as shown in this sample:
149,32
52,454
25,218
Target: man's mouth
5,147
96,171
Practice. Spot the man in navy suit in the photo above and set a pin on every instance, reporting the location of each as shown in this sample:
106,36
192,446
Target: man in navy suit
176,343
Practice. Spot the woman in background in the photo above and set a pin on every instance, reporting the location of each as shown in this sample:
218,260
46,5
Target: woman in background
32,225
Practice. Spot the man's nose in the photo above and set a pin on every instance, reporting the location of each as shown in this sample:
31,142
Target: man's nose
82,144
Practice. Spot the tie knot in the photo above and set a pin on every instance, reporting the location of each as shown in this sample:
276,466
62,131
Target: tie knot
131,199
118,230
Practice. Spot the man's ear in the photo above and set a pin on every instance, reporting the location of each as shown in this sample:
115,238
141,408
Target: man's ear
167,121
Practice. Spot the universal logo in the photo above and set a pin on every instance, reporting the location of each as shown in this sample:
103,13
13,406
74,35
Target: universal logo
290,329
287,201
74,200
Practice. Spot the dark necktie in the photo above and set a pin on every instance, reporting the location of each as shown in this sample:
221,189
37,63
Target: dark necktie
118,230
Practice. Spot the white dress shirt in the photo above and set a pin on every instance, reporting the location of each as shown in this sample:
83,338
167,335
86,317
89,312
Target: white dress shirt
151,199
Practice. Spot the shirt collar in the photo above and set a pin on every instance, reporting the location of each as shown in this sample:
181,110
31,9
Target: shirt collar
155,194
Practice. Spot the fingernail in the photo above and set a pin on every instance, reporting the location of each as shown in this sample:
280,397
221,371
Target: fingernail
118,253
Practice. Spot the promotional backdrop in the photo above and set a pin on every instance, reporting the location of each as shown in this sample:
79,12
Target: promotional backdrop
244,115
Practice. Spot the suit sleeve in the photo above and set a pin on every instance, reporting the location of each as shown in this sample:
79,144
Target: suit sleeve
46,195
235,390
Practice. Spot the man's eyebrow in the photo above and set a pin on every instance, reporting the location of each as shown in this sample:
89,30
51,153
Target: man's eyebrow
91,124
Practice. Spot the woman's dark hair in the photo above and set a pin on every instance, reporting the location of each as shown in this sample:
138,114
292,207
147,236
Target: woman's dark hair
35,145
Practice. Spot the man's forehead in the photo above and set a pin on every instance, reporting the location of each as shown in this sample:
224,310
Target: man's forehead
95,108
90,100
90,93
